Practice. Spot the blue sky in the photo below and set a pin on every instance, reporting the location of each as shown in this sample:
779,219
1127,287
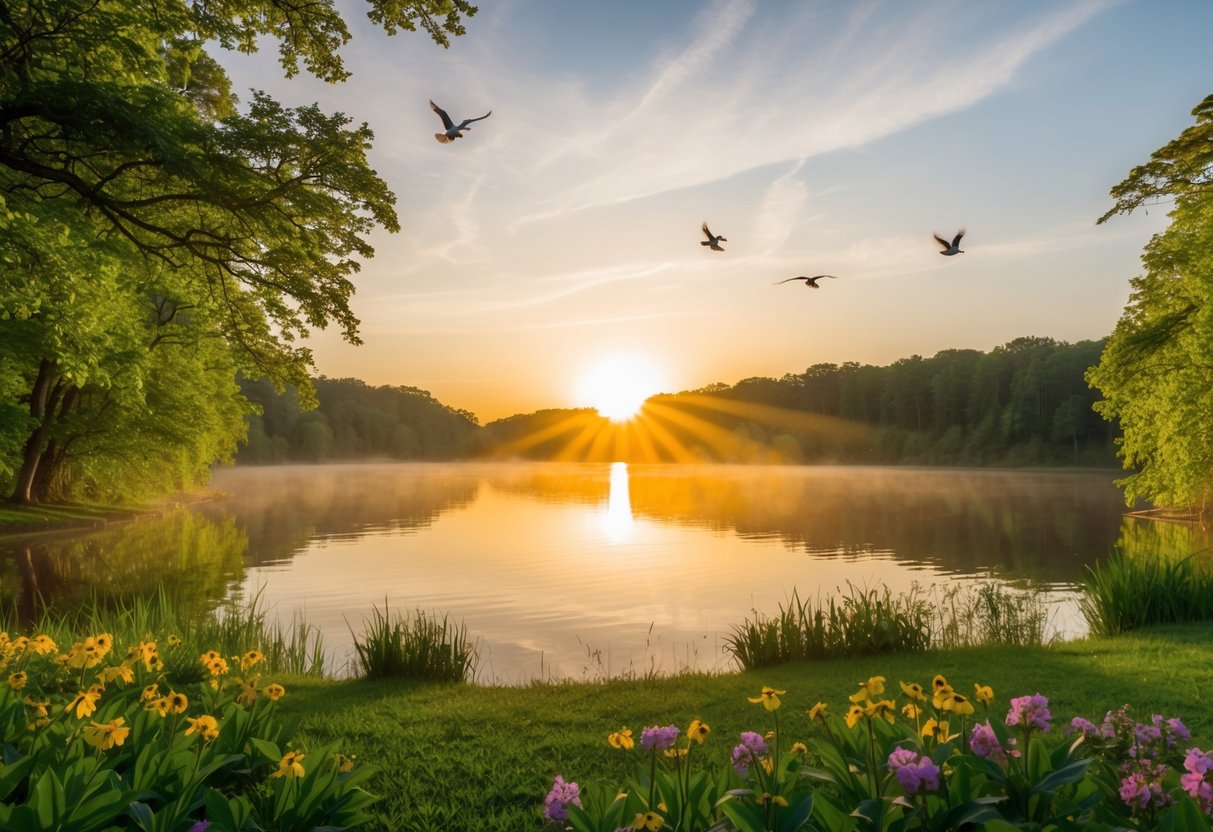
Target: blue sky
817,136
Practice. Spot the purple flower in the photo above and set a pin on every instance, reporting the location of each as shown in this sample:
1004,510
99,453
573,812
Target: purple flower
1198,762
751,747
912,771
983,742
657,738
1144,787
1029,712
1178,731
556,804
1085,727
200,826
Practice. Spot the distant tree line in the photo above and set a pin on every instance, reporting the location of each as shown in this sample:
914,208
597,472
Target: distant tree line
1024,403
352,420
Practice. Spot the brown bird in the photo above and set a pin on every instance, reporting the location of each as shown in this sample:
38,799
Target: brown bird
713,242
953,247
811,282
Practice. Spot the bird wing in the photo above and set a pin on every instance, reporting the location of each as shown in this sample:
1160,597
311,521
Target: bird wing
446,120
443,137
956,239
820,276
941,241
706,231
802,277
468,121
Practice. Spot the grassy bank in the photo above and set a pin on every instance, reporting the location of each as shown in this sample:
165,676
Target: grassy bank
456,757
20,520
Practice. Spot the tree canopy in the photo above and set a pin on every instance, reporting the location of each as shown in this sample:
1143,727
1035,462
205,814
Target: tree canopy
158,237
1156,373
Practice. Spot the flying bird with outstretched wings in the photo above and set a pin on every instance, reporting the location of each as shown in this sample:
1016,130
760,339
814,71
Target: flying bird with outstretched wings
810,282
713,242
953,247
452,131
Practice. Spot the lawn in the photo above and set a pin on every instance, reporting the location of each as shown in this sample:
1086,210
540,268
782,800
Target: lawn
463,757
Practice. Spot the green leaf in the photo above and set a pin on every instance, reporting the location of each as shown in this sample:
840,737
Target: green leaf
796,815
1064,776
743,816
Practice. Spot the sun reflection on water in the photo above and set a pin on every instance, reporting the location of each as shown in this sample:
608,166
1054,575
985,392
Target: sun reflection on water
617,521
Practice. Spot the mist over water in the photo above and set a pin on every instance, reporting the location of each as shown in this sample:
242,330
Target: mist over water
585,571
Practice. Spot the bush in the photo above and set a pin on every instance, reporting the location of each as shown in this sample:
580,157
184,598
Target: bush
418,647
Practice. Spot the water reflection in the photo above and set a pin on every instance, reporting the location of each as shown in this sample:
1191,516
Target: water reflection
617,521
581,569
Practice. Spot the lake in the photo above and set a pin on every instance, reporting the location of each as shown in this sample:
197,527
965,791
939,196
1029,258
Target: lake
585,571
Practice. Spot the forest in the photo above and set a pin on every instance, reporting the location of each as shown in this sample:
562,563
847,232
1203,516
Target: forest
1023,403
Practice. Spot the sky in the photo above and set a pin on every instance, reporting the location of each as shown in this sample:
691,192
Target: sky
559,239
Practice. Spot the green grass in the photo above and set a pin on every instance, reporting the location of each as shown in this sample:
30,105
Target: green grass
465,757
1127,593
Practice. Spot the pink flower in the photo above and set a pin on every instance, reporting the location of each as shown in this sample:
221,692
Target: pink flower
983,742
556,804
1029,712
1195,782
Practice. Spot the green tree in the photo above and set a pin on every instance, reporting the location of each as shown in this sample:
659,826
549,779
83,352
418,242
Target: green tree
1156,371
121,146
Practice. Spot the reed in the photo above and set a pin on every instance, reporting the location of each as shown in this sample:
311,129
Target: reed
867,621
1126,593
420,646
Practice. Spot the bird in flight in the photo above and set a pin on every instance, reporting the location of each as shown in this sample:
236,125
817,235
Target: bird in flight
810,282
452,131
953,247
713,242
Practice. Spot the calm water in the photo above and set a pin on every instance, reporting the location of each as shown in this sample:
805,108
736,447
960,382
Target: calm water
592,570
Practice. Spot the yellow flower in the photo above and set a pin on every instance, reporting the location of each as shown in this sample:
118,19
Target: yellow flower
150,692
671,753
874,686
205,726
85,702
939,683
274,691
911,711
984,694
854,714
178,703
650,821
622,739
149,653
17,680
817,713
769,698
85,653
937,731
173,641
217,666
958,704
249,659
885,709
767,765
111,674
698,731
43,645
248,692
345,764
767,797
799,748
290,765
159,705
914,691
39,707
105,735
208,657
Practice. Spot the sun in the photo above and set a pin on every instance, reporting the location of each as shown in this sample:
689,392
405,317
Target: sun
616,386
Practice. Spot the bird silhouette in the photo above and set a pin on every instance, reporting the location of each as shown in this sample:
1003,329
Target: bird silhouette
453,132
713,242
810,282
953,247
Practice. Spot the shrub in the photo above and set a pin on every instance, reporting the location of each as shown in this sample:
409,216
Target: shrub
418,647
1125,593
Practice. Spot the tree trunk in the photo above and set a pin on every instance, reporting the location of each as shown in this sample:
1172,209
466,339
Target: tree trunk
48,484
40,401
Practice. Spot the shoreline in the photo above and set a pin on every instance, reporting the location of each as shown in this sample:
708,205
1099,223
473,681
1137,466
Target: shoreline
20,522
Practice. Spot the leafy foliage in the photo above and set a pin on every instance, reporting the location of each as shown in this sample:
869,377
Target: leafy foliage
1156,372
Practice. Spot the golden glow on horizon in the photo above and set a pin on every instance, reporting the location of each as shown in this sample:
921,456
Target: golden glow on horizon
617,386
